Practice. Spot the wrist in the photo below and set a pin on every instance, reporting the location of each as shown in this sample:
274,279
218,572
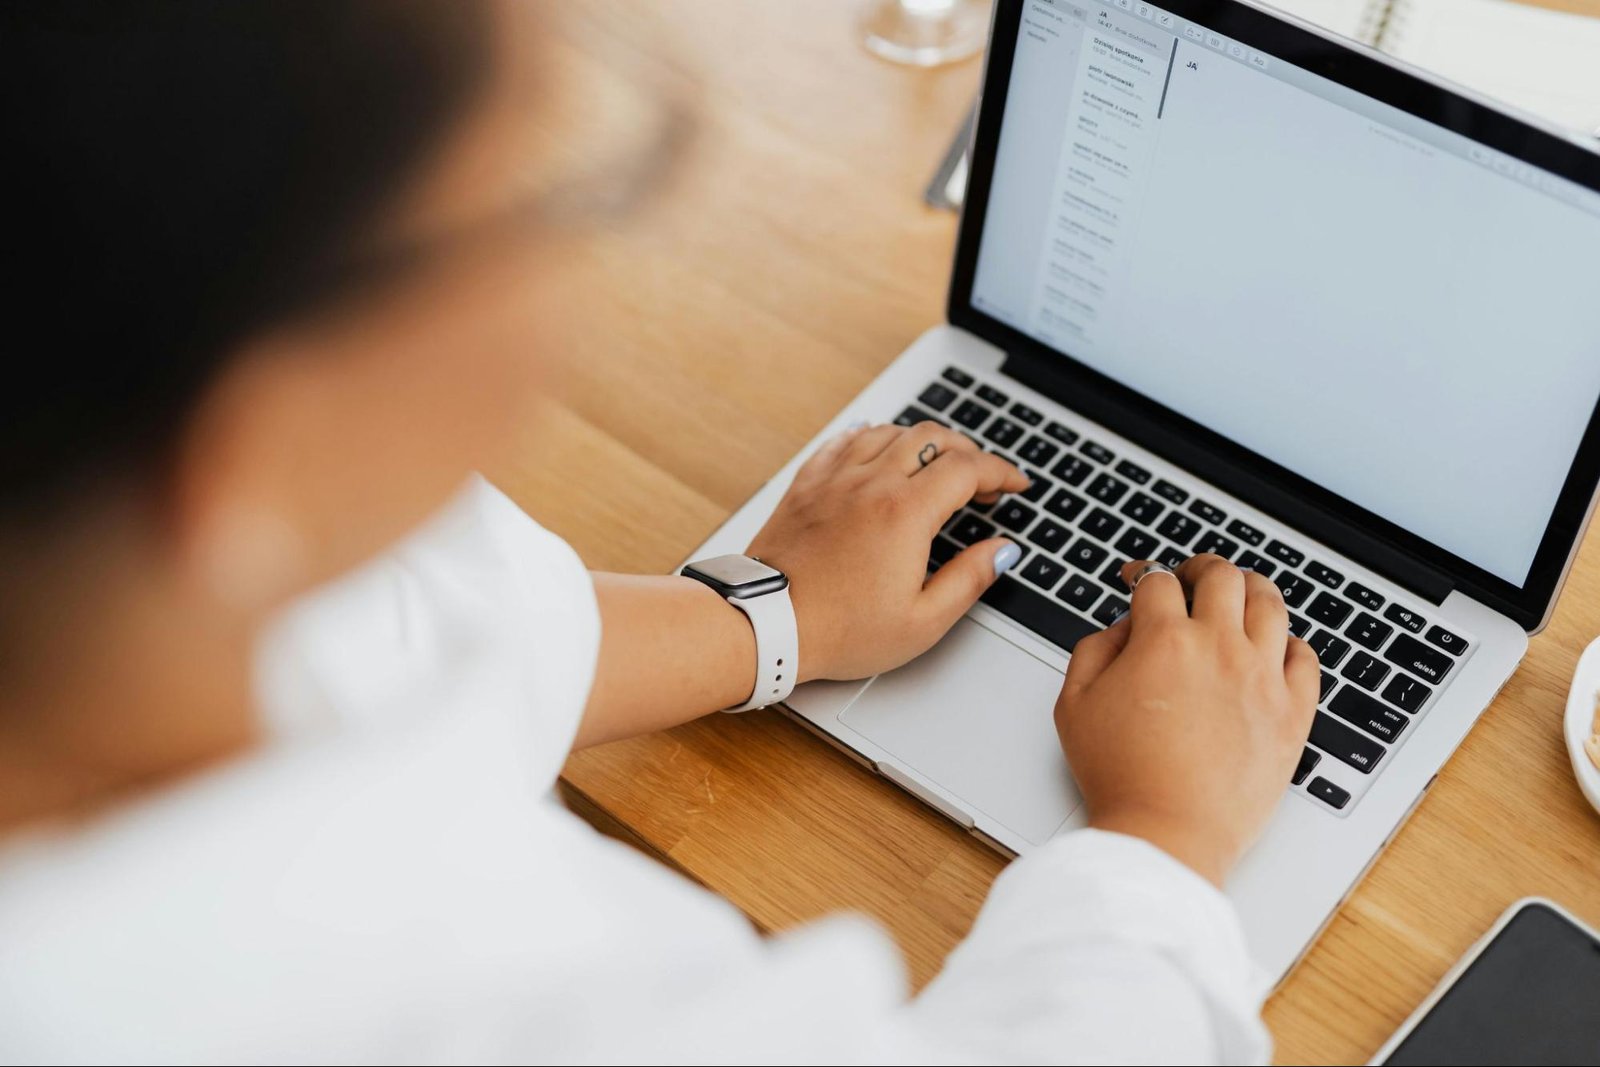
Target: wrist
759,592
1194,846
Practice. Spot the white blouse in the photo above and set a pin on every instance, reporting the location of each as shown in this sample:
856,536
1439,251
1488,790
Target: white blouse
391,879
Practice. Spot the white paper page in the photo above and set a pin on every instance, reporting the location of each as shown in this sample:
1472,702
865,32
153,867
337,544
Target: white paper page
1546,62
1352,18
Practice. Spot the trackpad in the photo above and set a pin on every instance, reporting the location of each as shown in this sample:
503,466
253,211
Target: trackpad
974,716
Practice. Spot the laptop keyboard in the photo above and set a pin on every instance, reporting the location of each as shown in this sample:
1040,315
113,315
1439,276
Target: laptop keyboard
1090,510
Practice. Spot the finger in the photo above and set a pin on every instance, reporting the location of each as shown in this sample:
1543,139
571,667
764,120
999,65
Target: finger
1157,598
869,444
1266,617
1303,673
1092,655
957,585
921,445
955,478
1216,589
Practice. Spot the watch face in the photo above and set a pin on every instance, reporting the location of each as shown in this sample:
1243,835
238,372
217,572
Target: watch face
737,576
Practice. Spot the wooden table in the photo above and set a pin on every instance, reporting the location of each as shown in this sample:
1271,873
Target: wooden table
790,261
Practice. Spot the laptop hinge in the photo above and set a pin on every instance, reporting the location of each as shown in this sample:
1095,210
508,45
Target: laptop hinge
1395,564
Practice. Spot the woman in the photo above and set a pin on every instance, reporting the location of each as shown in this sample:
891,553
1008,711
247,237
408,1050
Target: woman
278,763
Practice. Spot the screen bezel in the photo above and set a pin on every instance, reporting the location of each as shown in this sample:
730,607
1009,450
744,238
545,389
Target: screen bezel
1344,525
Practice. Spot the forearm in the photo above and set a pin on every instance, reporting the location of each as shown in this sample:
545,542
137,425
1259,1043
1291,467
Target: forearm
671,650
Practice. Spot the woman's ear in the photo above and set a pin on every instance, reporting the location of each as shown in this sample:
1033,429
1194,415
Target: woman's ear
241,537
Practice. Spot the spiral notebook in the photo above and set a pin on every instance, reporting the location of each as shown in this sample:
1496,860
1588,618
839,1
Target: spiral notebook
1542,61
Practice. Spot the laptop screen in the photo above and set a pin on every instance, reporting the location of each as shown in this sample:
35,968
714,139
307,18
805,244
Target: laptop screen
1380,305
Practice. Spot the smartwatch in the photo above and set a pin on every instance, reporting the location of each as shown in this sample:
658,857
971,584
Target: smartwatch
762,593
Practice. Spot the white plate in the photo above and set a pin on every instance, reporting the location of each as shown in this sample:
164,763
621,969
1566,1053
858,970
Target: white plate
1580,720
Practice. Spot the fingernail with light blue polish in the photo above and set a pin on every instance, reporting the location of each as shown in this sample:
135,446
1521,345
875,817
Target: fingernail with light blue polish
1006,558
859,424
1247,570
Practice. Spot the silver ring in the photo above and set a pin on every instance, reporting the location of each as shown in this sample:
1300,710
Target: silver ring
929,453
1146,570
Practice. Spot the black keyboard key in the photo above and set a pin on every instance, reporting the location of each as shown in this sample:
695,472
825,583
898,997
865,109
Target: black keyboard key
1071,470
1405,692
1368,632
1143,509
981,505
990,395
1044,572
1295,588
1038,451
1345,743
1085,555
1211,514
1215,542
1309,758
1014,515
1260,564
1245,532
938,397
1328,682
1289,557
943,551
1426,663
1446,640
1133,472
1175,493
969,529
1405,617
1097,451
1079,591
1136,544
1049,536
1366,671
1023,413
1328,793
1110,610
1038,487
1111,575
1329,649
1061,433
1329,610
1101,523
1106,489
1172,557
970,413
913,415
1003,432
1299,625
1329,577
1363,596
1066,505
1037,612
1360,710
958,376
1178,528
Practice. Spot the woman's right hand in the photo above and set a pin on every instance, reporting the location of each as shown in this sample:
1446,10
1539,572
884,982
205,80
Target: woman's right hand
1183,724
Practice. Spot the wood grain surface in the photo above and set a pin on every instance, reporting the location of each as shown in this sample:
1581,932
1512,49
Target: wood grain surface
789,261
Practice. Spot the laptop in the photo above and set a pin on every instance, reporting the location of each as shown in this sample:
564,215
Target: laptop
1227,283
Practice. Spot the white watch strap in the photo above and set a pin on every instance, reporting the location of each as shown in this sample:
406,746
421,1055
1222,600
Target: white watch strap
777,647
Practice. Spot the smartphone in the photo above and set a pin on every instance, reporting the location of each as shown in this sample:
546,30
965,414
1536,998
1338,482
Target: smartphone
1528,993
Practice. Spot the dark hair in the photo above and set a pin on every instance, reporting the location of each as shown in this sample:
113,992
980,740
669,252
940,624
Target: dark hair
181,173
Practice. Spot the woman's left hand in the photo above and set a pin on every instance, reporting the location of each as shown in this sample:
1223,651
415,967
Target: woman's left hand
853,535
